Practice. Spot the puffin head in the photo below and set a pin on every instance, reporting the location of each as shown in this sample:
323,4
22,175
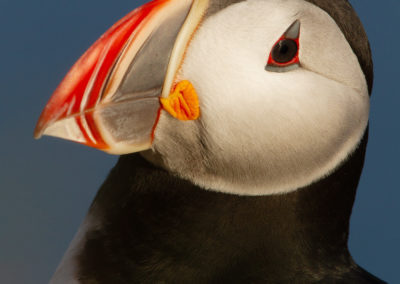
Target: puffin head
253,97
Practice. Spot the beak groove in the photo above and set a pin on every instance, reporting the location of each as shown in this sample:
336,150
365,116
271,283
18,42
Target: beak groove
85,106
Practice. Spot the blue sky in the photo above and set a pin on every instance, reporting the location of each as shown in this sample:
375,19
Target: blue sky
46,186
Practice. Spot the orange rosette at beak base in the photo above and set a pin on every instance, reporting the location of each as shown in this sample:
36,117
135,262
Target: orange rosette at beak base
183,102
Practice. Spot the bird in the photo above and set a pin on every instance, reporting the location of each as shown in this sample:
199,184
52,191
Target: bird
242,127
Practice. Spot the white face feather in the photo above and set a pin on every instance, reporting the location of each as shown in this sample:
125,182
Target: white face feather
263,132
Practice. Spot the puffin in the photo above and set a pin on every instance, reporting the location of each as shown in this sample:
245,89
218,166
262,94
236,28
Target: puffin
242,127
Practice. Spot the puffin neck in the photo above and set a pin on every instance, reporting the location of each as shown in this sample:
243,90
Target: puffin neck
145,214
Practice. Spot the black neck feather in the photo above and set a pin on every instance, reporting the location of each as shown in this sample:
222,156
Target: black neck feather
156,227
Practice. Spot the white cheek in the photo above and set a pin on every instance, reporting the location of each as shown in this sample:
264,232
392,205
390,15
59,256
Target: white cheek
264,132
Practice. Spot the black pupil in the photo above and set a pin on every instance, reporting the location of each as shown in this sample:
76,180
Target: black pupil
284,51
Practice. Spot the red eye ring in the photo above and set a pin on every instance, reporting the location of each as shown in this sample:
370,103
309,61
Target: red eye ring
285,52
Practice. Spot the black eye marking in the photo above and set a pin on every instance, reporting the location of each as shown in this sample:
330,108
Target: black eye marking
285,53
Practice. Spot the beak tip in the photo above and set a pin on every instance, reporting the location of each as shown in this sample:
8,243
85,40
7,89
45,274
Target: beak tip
38,132
39,129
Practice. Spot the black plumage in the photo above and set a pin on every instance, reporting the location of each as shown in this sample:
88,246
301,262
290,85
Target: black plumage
158,228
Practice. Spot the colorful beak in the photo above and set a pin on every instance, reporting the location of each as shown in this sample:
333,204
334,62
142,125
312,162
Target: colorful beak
110,99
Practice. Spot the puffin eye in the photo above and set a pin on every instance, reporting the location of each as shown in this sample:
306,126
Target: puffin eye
285,53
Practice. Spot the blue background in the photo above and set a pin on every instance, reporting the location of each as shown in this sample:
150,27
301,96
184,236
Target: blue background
46,186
